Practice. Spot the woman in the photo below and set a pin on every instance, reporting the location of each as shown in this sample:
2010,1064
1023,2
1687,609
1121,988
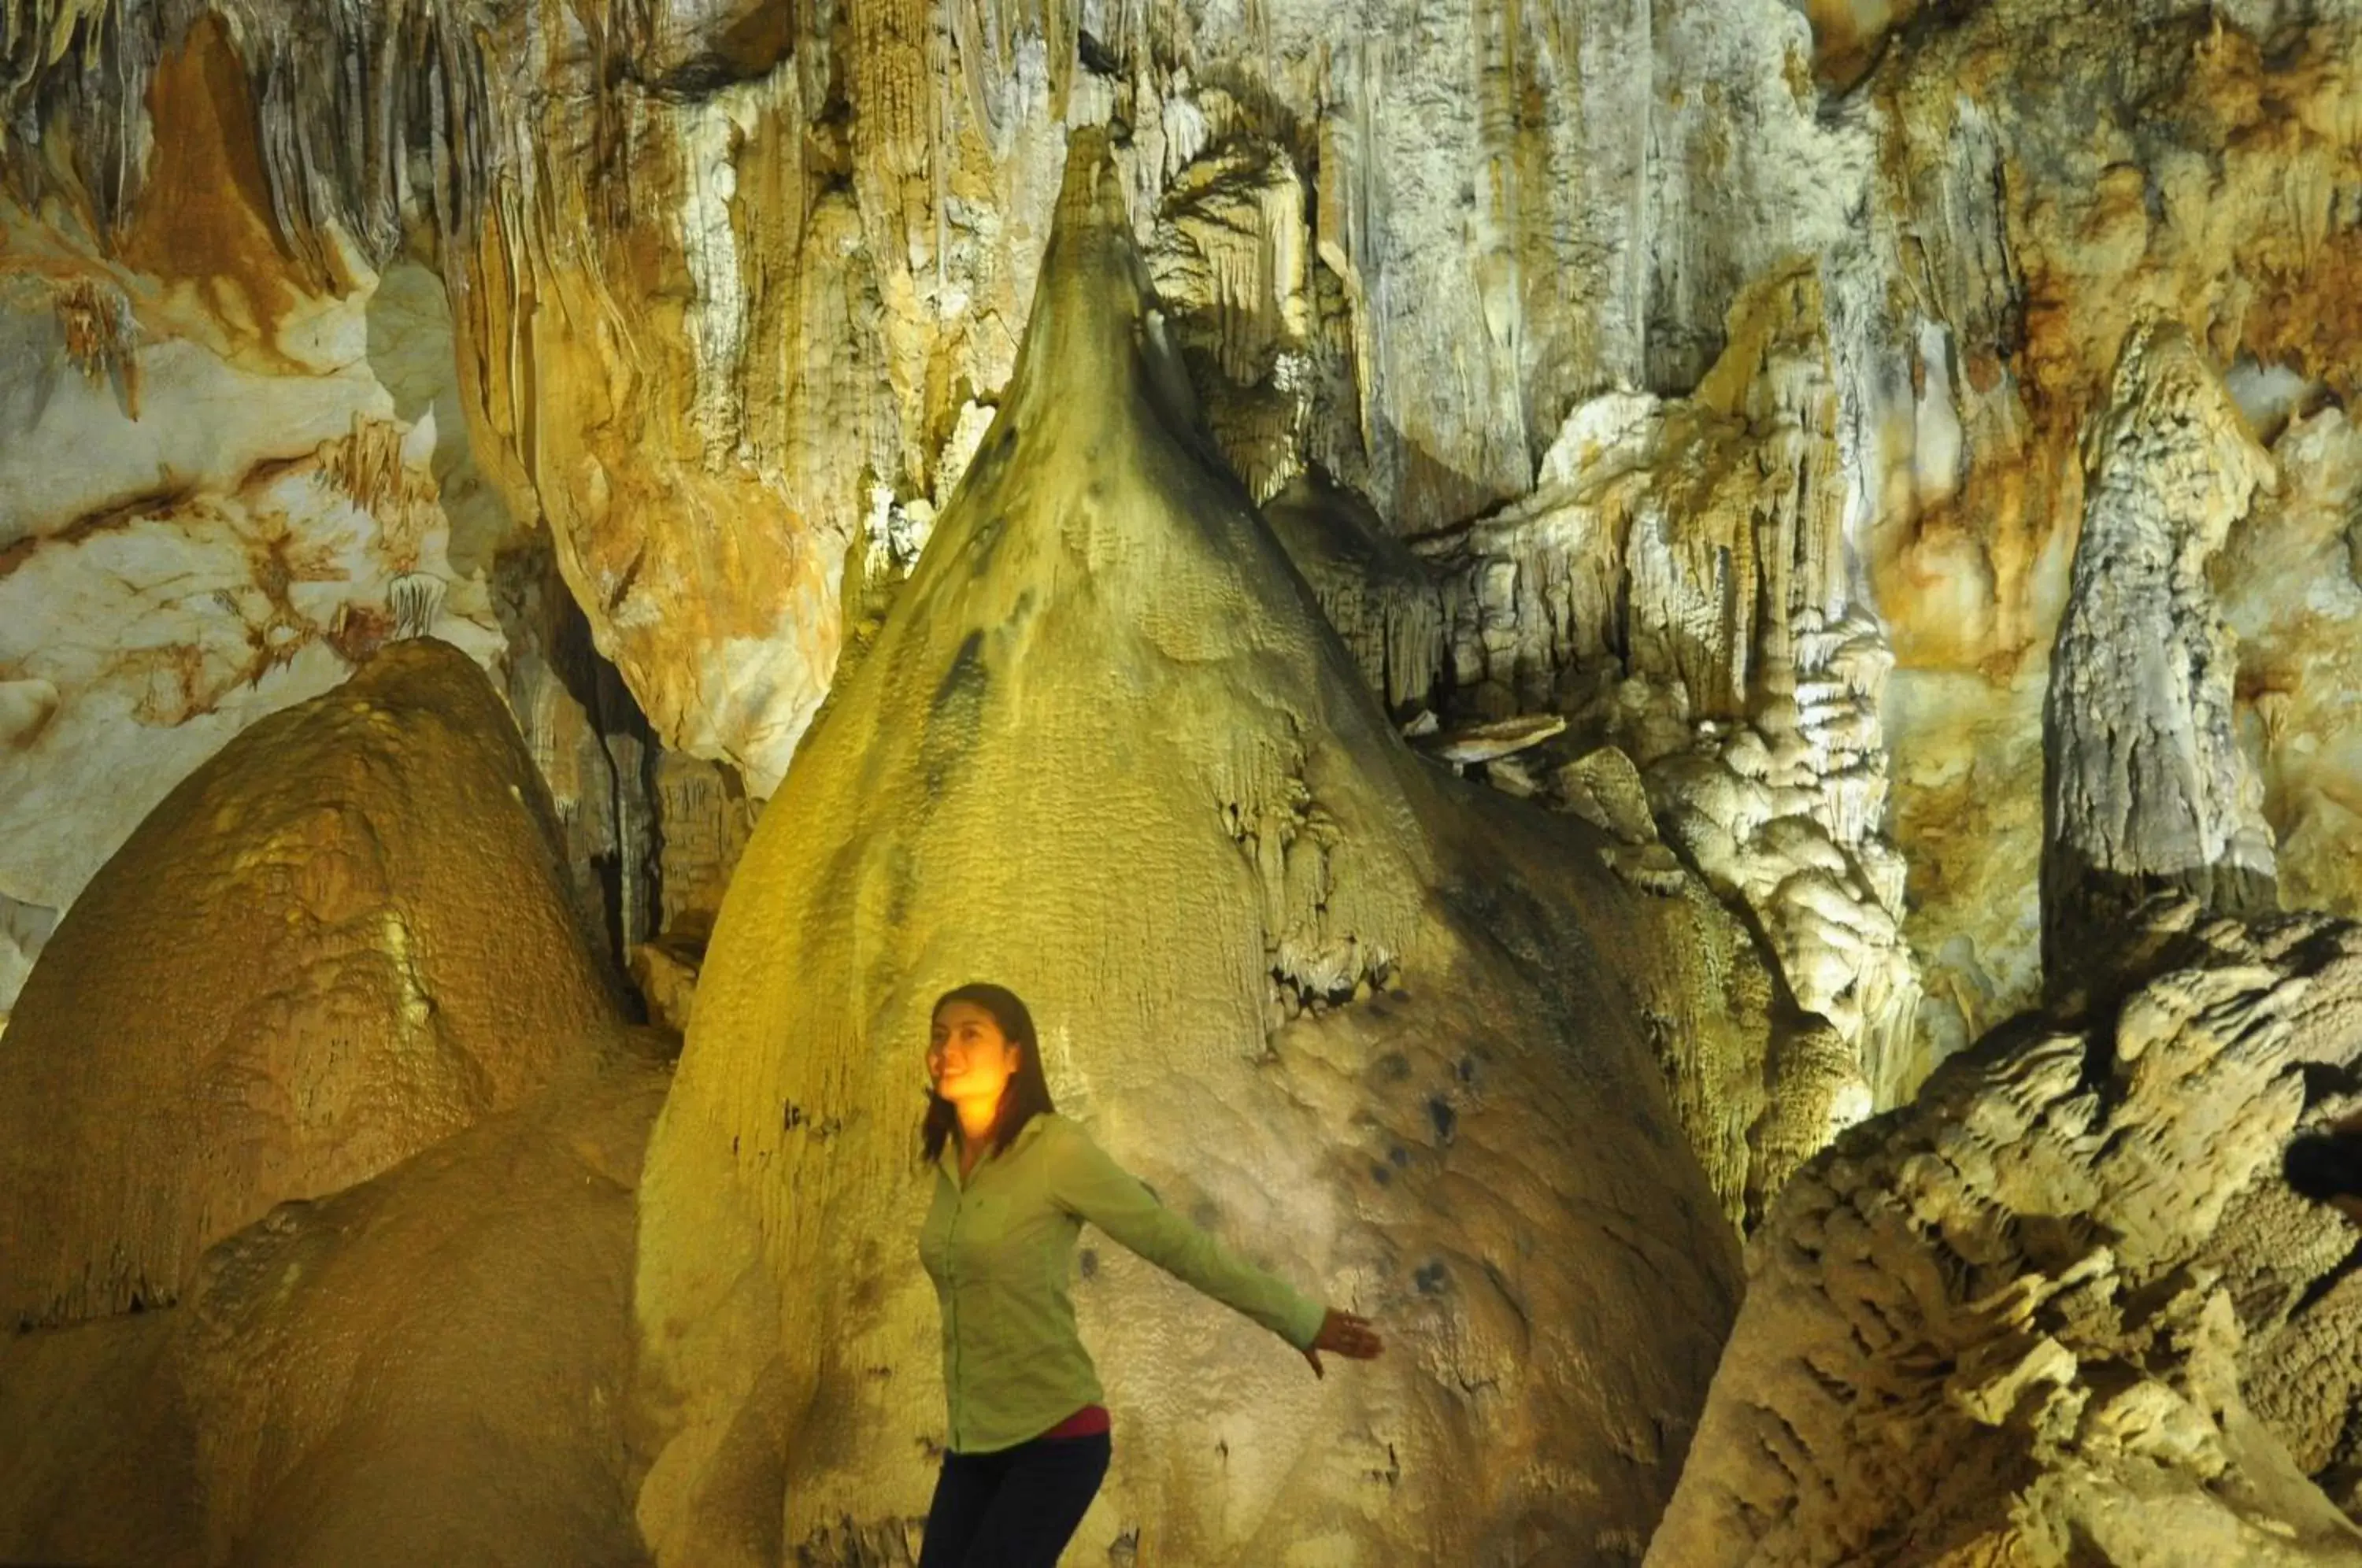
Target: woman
1015,1181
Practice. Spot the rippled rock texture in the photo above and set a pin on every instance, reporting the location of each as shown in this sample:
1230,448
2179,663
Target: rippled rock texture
431,1366
733,294
2058,181
320,1131
343,939
1373,1028
1780,436
2061,1309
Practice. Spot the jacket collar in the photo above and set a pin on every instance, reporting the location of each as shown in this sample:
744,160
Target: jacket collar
948,1161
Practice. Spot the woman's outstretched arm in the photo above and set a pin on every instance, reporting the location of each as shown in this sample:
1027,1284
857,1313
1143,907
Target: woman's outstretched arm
1088,1184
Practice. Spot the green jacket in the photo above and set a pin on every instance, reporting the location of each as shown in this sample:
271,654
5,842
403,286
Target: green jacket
1001,1250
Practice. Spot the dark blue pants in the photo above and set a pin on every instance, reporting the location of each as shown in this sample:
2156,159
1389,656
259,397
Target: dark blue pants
1016,1508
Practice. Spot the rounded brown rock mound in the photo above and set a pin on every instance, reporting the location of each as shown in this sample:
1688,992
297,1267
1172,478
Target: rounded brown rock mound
430,1367
424,1368
341,940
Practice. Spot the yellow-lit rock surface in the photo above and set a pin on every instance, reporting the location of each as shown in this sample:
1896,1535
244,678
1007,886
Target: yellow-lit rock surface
227,475
1677,586
431,1366
1722,385
344,938
734,293
434,1366
2292,593
1364,1024
2062,1311
97,1453
2145,784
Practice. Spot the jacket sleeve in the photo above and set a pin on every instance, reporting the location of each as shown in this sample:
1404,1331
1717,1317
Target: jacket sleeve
1087,1183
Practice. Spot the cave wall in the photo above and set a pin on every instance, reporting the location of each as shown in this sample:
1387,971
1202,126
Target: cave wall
731,336
723,340
1757,403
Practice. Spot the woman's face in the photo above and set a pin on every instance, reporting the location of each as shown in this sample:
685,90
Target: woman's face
967,1057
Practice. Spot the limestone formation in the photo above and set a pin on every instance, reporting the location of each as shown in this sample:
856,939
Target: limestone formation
735,292
97,1456
434,1367
344,938
2053,176
1358,1020
1385,602
1677,584
726,264
2146,786
1758,441
220,527
431,1366
2291,594
705,819
2061,1309
1757,1087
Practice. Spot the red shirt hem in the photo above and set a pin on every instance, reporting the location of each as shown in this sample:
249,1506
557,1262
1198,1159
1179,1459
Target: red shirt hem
1089,1422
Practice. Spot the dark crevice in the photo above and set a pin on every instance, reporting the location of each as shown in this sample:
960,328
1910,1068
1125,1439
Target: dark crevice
2312,1293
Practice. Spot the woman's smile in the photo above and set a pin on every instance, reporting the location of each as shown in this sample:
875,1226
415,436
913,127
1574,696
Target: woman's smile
968,1058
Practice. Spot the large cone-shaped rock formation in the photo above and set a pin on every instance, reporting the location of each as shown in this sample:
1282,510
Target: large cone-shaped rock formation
343,939
2061,1309
1105,751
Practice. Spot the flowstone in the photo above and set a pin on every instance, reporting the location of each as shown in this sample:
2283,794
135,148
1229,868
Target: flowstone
321,1133
2061,1309
1364,1023
304,966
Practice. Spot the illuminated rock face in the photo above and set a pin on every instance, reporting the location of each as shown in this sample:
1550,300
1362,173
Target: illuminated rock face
2041,220
2291,591
2145,785
1363,1023
1677,585
430,1366
733,335
344,938
734,286
320,1079
434,1367
1721,379
2061,1308
223,481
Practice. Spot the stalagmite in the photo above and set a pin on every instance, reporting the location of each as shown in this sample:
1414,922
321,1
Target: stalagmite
2145,785
2028,234
320,1130
1360,1021
303,967
1557,604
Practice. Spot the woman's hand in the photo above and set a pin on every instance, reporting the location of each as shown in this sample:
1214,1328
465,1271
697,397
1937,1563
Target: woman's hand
1345,1334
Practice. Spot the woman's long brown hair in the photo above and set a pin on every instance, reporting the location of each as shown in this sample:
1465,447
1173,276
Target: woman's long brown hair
1028,1091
